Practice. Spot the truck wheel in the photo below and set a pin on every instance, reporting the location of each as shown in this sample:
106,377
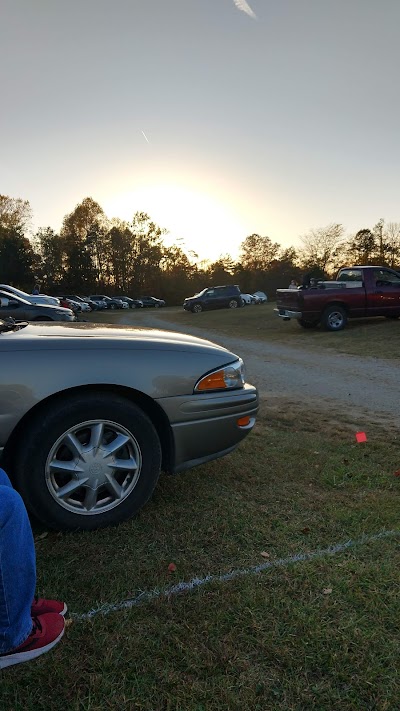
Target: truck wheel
308,324
334,318
91,461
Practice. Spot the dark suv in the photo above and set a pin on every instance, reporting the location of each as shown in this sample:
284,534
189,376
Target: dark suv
214,297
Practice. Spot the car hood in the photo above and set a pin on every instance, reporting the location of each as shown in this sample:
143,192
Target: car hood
90,336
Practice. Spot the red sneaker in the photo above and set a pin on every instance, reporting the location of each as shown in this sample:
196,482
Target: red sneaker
47,630
41,606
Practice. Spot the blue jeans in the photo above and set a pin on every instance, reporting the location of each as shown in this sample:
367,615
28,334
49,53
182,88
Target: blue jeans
17,568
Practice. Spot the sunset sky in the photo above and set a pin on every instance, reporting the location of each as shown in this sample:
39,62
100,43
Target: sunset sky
216,122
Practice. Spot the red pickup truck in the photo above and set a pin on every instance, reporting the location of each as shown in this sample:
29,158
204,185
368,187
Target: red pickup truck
356,292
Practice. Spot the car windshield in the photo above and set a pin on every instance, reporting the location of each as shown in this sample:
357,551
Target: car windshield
13,297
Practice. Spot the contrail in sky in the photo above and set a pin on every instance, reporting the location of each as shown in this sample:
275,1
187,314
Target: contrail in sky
245,7
145,137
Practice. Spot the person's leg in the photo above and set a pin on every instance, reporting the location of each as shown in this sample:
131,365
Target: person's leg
17,568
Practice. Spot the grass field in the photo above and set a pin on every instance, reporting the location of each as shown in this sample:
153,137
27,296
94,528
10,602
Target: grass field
377,337
320,634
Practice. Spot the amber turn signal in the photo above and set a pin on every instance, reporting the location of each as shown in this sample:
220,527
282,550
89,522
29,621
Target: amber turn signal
213,381
243,421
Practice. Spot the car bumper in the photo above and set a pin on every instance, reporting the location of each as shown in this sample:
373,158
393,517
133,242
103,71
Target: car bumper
287,314
205,426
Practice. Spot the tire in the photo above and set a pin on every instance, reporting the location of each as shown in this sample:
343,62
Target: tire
71,438
334,318
197,308
113,307
156,306
233,304
133,306
307,324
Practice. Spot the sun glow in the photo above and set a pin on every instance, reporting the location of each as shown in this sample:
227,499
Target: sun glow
195,221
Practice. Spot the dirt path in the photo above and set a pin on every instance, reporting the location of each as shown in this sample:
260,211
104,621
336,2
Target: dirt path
362,386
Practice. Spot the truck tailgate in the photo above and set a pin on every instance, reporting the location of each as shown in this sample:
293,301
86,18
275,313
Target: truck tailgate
289,299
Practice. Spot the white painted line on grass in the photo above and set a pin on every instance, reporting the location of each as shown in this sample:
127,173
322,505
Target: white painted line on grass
148,595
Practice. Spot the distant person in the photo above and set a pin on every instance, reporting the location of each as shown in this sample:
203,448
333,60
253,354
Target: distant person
36,290
306,281
29,626
293,284
313,283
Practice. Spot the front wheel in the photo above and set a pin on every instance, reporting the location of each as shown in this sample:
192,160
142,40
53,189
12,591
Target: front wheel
197,308
233,304
334,318
91,461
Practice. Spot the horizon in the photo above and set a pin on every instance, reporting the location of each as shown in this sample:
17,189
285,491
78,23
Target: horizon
218,119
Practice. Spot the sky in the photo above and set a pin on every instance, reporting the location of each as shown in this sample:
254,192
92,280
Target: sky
219,118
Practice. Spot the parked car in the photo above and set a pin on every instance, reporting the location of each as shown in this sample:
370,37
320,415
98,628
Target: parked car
110,303
12,306
356,292
69,304
32,298
132,303
84,443
214,297
249,299
262,298
151,301
83,305
94,305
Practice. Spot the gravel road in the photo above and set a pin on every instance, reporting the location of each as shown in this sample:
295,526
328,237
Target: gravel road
362,386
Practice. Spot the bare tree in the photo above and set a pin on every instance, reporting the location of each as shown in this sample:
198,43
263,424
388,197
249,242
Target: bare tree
321,247
392,243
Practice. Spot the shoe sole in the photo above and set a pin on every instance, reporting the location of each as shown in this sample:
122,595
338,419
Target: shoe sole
21,657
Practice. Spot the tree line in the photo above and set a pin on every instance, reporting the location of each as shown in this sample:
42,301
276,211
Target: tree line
92,253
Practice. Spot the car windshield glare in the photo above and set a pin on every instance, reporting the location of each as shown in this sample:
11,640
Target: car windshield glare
13,297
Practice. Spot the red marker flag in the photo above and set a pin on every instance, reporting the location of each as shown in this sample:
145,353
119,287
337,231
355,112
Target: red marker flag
361,437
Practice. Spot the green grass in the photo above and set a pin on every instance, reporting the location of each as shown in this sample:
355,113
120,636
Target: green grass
378,337
274,641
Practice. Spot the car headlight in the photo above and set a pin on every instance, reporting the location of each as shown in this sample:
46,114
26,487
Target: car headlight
227,378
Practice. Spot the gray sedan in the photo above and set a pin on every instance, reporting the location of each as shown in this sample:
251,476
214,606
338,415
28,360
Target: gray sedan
13,306
89,415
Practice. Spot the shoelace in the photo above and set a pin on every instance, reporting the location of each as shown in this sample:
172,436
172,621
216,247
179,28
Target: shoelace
36,627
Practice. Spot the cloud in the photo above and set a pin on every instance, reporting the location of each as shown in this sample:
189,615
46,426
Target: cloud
245,7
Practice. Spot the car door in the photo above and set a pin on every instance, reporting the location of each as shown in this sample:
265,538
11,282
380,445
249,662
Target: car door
384,299
209,299
12,308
